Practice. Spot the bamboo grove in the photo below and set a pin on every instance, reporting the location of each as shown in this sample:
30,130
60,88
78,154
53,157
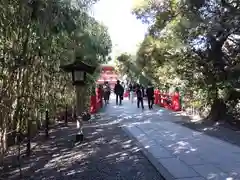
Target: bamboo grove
36,36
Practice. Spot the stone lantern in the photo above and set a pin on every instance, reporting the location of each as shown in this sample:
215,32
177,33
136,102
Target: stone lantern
79,72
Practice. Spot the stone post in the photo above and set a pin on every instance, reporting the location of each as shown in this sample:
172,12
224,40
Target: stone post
79,111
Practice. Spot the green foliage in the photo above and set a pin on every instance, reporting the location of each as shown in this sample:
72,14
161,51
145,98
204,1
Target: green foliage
192,45
36,37
126,65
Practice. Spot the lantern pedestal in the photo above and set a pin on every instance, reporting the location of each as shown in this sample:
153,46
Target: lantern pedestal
79,109
79,137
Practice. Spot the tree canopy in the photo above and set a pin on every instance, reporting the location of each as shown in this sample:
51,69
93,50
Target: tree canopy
193,45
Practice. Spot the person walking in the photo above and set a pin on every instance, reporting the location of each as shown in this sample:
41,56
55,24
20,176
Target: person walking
107,91
139,96
123,85
150,95
100,94
134,86
118,90
131,93
143,90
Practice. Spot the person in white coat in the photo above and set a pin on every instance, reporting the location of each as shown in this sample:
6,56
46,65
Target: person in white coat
131,93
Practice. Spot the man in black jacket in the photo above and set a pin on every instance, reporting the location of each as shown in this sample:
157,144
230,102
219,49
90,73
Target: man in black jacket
139,96
119,90
150,95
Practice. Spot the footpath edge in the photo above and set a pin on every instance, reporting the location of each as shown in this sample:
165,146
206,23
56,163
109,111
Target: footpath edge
158,166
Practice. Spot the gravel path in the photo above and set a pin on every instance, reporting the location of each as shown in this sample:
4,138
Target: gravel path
106,154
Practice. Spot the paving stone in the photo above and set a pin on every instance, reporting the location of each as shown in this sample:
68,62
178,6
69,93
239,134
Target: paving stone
209,171
193,178
181,147
191,159
229,157
159,152
147,127
136,132
232,169
210,157
177,168
141,137
216,157
164,143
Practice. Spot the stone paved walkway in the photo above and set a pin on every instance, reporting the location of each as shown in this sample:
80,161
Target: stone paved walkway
176,151
107,154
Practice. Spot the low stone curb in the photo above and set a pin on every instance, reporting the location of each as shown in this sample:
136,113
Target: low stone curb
160,168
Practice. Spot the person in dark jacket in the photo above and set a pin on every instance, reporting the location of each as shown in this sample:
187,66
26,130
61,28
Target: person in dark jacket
134,87
119,90
143,90
150,95
139,96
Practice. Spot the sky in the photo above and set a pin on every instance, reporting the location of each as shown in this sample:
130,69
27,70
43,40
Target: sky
125,30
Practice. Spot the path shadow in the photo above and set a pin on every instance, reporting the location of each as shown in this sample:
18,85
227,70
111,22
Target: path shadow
106,153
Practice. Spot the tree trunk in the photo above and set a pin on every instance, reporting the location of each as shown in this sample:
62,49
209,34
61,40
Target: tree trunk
3,144
218,110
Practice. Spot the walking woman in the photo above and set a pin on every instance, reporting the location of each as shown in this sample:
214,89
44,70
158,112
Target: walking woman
131,93
107,91
100,94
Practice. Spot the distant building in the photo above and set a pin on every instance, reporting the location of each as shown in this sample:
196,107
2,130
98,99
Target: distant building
109,74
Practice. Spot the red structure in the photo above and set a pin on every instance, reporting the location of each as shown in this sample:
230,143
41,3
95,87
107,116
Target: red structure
93,104
168,101
109,74
96,101
176,105
157,96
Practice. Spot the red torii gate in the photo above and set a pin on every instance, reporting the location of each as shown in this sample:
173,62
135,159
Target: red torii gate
108,74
